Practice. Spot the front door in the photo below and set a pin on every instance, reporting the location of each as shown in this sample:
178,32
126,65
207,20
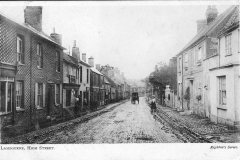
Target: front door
50,97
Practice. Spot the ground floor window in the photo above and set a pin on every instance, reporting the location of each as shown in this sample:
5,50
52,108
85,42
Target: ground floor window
39,94
68,97
6,97
222,90
19,94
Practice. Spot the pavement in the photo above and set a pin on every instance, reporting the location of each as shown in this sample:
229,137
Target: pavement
203,126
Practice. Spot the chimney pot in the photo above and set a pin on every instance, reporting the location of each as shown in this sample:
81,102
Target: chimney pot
91,61
98,67
211,13
56,37
84,57
75,51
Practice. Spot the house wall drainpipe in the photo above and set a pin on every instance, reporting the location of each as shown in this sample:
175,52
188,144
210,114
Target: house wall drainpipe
30,123
182,81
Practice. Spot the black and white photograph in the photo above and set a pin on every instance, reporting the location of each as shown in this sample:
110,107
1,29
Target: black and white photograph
96,73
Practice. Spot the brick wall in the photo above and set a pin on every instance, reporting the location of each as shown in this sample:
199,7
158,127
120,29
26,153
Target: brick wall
29,74
8,50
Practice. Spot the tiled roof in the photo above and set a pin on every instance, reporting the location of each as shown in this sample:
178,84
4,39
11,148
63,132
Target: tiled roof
110,81
233,21
212,29
96,71
70,59
33,30
84,63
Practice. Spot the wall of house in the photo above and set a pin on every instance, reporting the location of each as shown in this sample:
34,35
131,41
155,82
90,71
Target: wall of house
226,114
8,49
29,73
85,84
65,73
179,81
47,75
231,112
193,78
235,57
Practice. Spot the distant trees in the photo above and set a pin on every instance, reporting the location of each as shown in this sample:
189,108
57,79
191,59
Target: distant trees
164,75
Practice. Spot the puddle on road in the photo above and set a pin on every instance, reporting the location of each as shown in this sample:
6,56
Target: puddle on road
119,121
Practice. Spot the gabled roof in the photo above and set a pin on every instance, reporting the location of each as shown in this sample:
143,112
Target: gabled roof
84,63
96,71
70,59
33,30
112,83
212,29
231,23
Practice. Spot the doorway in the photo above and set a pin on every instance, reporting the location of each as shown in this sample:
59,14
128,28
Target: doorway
50,97
191,95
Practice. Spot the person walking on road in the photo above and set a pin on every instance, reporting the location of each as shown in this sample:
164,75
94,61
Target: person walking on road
153,105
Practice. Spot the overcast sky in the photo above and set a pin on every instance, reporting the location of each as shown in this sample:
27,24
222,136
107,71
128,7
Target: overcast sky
131,36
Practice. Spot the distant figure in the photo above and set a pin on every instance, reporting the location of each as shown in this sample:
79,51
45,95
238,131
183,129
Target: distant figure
153,105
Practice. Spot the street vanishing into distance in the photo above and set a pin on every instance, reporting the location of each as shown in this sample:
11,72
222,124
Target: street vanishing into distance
127,123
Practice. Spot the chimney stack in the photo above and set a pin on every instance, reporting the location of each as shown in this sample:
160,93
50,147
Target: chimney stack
56,37
75,51
201,24
84,57
91,61
98,67
211,13
33,16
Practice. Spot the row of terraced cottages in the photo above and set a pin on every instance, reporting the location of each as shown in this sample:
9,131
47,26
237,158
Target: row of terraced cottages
208,72
39,83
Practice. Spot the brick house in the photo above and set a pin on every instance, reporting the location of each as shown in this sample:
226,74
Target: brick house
112,86
197,59
97,90
31,67
71,85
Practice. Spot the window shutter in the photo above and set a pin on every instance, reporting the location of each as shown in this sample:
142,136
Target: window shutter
36,91
44,94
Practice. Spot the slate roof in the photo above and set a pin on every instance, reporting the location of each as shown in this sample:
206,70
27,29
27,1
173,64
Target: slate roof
112,83
212,29
84,63
33,30
96,71
70,59
232,22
